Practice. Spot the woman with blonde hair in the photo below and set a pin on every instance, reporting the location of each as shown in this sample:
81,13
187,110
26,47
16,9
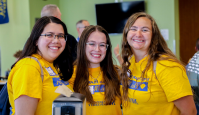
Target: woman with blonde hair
154,81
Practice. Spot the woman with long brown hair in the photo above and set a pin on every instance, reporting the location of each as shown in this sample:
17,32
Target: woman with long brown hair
154,80
95,76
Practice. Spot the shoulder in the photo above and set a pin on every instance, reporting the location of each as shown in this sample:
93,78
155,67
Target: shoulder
194,58
26,68
193,64
74,73
71,39
168,62
167,65
70,36
72,79
29,62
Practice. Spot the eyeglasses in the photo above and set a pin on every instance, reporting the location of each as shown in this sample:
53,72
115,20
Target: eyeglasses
102,46
51,36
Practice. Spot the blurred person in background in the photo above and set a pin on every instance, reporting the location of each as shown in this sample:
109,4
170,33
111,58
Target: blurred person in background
80,26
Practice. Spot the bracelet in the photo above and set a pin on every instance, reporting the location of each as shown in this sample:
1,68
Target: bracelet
117,55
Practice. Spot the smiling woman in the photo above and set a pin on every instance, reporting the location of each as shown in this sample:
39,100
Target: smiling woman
28,93
96,48
52,43
165,91
139,35
95,76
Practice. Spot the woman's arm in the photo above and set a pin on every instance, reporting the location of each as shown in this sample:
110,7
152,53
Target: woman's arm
186,105
25,105
172,75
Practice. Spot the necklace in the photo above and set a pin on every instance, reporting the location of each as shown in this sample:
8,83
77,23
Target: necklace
95,79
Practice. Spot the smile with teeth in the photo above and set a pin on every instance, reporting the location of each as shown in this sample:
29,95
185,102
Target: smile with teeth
54,48
96,55
138,40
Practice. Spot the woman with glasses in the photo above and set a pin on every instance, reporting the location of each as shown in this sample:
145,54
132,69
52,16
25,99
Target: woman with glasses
29,94
154,81
95,75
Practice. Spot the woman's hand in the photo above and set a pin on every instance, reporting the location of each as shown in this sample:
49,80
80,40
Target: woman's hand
117,54
117,50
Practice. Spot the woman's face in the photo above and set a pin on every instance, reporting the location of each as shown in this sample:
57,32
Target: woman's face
140,34
50,47
96,48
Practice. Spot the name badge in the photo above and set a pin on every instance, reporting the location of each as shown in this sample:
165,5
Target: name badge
50,71
91,89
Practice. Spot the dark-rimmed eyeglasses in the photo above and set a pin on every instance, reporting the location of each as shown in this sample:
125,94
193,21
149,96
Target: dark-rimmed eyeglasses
53,36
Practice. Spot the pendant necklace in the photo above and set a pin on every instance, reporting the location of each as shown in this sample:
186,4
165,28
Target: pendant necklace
95,79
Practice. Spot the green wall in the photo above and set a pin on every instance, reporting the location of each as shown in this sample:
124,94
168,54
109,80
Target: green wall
163,11
22,14
177,30
14,34
36,7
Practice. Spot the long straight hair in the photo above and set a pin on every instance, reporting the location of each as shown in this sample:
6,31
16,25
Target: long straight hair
157,48
64,60
110,76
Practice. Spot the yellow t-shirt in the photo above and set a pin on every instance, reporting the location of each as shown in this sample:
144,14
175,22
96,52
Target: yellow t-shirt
99,108
155,96
25,79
